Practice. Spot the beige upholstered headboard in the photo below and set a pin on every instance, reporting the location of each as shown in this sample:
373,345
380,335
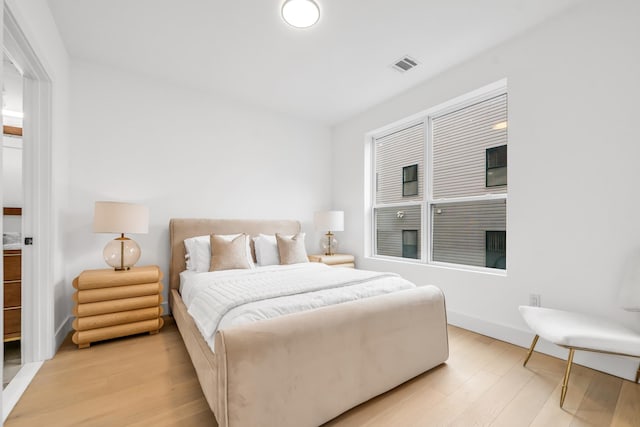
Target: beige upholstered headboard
183,228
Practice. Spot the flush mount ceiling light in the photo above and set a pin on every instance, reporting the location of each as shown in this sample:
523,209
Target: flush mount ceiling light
300,13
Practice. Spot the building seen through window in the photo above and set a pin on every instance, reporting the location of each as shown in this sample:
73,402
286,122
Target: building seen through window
459,196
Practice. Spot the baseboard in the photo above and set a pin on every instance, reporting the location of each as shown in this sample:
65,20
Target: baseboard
16,387
62,331
165,308
620,366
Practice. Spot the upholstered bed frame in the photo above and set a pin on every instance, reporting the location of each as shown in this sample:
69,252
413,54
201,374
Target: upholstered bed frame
304,369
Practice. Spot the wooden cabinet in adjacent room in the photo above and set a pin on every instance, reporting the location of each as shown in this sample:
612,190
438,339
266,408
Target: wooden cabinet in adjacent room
12,294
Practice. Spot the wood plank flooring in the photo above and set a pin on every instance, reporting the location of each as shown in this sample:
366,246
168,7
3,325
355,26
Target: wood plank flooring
148,380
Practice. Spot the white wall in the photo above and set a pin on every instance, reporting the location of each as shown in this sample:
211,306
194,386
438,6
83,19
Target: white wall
12,146
12,181
12,171
36,22
573,206
184,153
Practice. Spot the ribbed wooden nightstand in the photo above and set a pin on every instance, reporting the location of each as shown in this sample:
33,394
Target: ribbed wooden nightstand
336,260
112,304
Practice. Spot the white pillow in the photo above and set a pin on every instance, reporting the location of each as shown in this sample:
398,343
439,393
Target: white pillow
267,249
199,252
195,260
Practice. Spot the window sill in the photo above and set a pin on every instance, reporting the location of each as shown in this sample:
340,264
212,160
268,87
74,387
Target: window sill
444,265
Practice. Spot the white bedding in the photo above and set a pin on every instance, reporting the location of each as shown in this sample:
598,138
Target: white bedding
223,299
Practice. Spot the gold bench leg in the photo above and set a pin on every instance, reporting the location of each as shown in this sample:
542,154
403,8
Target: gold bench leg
565,382
533,345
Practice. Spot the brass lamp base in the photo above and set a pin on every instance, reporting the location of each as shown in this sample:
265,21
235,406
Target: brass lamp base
121,253
329,244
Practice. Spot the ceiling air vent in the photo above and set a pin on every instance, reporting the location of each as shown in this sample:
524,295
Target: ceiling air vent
405,64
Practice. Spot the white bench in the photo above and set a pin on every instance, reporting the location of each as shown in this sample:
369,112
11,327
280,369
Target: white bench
577,331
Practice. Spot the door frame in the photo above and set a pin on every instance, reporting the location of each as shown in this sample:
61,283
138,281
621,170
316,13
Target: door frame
37,220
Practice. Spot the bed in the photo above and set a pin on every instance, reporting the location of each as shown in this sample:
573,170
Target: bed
304,369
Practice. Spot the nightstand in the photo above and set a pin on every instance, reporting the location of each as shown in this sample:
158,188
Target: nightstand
111,304
12,294
336,260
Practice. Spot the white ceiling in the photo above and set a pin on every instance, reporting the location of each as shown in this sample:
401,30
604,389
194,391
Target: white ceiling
243,49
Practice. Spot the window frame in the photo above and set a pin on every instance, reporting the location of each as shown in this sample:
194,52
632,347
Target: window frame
415,120
428,201
486,241
404,169
487,168
417,245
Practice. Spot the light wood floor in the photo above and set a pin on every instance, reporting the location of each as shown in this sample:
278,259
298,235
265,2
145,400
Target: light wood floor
148,380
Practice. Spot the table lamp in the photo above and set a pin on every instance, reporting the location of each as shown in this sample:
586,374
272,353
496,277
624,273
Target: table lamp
330,221
117,217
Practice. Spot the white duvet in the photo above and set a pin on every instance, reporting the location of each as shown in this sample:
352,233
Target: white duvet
223,299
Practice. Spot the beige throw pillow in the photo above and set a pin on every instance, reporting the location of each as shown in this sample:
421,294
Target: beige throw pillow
291,249
228,254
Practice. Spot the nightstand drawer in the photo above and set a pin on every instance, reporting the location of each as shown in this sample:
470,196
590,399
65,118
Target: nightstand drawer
343,265
336,260
12,295
12,321
12,265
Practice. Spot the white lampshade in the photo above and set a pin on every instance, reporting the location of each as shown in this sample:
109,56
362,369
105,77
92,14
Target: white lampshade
329,221
300,13
121,218
116,217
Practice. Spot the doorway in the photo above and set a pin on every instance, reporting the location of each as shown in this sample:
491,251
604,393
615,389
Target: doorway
37,332
12,202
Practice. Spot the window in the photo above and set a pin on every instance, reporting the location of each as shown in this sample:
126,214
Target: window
410,180
410,243
399,155
459,230
496,249
497,166
441,185
390,225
